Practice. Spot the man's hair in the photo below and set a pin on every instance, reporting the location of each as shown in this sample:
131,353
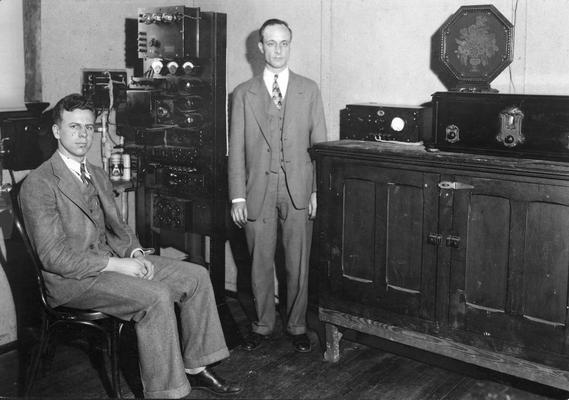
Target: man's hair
270,22
71,102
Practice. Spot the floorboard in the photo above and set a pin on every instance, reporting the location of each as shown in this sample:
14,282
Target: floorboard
276,371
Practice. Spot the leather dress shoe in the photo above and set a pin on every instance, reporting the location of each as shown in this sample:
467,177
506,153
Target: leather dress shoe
301,343
208,380
254,340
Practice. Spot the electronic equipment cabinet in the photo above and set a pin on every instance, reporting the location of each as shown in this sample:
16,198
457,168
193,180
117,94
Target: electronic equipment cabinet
25,139
177,111
459,254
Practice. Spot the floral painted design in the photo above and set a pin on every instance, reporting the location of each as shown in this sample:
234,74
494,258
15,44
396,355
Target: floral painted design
476,44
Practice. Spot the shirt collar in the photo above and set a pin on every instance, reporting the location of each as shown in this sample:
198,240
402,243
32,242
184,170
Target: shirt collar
269,77
74,166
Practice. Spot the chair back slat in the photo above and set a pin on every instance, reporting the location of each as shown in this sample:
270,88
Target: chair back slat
37,265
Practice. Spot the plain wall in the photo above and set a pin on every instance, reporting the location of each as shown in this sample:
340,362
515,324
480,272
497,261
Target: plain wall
12,55
357,50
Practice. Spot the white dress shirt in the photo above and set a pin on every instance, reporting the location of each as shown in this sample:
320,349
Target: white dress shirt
269,78
75,166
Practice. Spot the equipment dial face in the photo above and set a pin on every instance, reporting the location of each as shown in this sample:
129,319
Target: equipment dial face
397,124
172,67
157,66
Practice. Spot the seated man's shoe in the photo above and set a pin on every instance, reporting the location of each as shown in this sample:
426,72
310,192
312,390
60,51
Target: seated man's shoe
254,340
301,343
208,380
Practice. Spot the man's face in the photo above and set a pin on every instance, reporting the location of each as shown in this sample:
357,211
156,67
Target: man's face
276,47
75,133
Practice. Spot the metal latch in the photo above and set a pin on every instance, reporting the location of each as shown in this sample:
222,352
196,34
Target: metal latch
452,241
434,238
455,185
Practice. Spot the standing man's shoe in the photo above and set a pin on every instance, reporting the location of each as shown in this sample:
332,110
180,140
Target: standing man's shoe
208,380
301,343
254,340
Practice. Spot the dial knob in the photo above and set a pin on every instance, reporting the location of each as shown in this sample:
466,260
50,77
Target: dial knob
397,124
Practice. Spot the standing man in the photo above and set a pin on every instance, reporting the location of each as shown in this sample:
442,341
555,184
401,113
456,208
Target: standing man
276,117
93,260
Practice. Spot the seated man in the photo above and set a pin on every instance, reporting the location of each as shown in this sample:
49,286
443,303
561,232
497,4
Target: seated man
93,260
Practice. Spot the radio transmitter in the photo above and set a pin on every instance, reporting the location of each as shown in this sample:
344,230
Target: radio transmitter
375,122
177,110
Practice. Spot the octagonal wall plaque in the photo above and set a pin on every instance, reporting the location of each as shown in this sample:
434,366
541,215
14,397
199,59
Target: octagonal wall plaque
476,45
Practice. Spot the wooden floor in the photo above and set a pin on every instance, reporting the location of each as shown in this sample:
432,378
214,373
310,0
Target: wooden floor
275,371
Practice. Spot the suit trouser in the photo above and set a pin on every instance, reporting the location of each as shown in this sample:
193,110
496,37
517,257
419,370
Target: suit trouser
262,241
150,303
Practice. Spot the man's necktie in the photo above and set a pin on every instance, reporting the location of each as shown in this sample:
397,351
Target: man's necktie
277,95
83,171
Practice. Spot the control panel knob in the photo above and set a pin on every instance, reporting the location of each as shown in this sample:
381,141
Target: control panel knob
162,111
452,134
168,18
172,67
146,18
189,67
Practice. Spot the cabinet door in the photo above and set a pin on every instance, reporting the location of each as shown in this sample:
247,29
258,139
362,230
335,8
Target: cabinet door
509,271
379,253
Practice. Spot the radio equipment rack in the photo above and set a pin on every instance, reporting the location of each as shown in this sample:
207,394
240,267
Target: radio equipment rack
178,114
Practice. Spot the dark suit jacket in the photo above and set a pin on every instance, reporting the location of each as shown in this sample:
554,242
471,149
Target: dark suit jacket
250,149
62,231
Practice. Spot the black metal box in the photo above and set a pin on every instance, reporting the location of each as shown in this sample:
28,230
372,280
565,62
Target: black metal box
26,142
376,122
525,126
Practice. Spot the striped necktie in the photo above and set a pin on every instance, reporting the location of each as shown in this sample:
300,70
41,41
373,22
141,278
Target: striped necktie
277,95
83,175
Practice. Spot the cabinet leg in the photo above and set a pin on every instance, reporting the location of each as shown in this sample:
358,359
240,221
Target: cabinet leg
333,337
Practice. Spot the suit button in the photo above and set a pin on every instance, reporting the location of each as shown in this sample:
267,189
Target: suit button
268,150
266,172
91,246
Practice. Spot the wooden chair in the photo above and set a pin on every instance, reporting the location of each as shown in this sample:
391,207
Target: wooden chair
58,320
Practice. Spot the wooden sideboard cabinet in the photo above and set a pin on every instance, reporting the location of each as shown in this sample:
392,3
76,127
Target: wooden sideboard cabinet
463,255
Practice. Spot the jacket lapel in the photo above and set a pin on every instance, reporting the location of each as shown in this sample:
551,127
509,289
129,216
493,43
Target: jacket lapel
68,184
293,100
257,98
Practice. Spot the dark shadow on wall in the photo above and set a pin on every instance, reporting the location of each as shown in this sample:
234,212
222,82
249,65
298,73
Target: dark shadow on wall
236,236
253,54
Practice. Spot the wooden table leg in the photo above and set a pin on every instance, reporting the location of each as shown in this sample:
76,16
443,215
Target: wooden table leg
333,337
